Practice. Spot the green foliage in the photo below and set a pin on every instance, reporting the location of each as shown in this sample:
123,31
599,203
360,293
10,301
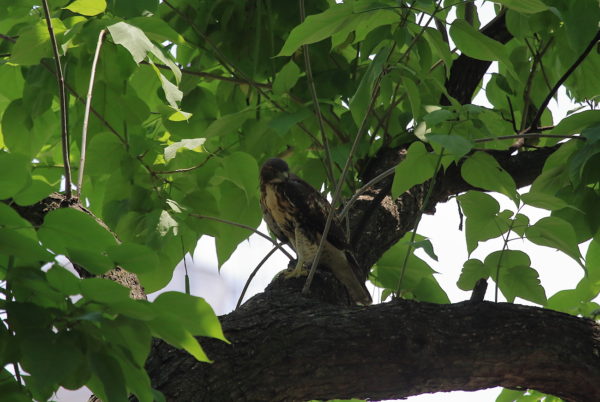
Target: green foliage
189,101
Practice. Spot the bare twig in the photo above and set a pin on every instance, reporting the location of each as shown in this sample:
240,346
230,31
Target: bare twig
529,135
9,38
86,115
536,120
209,75
63,101
250,228
315,99
253,274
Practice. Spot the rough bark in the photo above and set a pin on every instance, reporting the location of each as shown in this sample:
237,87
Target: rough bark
288,347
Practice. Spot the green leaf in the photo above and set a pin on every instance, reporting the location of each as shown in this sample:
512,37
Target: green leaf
317,27
475,44
520,224
362,97
172,331
556,233
286,78
414,96
453,144
34,43
11,389
517,278
526,7
227,124
69,228
194,313
484,220
438,116
193,144
472,271
592,261
18,238
63,280
435,40
427,247
416,168
103,290
133,257
93,261
38,189
87,7
575,123
483,171
138,44
14,174
241,169
110,374
542,200
417,279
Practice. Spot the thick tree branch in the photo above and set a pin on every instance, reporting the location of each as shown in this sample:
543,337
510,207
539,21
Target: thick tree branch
286,347
378,221
466,73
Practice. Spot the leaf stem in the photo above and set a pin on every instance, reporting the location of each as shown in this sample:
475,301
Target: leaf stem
250,228
86,115
63,100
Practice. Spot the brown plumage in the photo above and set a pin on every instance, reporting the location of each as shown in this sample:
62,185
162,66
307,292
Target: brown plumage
296,213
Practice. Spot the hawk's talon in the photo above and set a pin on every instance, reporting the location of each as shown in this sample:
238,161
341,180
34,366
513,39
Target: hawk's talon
298,271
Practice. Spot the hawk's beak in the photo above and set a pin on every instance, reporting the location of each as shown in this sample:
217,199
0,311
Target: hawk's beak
284,175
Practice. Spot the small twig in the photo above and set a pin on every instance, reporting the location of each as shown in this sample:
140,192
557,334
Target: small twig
340,183
186,277
184,170
529,135
9,38
250,228
536,120
209,75
253,274
63,101
479,291
86,115
315,99
512,114
461,217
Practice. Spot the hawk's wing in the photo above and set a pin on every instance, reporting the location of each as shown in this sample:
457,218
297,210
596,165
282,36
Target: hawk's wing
313,209
272,223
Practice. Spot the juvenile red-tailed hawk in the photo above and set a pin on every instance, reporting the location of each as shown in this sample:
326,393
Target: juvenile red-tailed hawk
296,213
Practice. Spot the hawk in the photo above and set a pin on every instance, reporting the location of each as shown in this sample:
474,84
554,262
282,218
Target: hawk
296,213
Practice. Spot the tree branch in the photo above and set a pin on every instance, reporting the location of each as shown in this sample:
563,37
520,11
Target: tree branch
286,347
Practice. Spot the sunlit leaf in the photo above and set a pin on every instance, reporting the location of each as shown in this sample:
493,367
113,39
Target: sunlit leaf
87,7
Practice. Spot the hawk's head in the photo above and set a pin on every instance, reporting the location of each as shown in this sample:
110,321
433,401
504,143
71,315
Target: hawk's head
274,170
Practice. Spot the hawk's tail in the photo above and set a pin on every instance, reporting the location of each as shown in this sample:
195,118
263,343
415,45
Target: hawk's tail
356,287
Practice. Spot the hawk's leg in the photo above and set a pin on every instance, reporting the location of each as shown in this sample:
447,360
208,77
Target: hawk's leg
300,245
